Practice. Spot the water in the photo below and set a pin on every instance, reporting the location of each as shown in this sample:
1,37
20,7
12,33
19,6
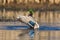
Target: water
42,17
13,35
45,19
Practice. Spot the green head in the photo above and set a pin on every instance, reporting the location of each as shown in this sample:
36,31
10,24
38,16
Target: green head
31,11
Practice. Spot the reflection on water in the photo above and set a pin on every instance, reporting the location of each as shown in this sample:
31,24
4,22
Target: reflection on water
50,17
46,17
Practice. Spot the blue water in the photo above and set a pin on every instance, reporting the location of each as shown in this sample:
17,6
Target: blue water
49,28
26,27
31,32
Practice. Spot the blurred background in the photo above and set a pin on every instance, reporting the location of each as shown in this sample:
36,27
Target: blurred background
46,13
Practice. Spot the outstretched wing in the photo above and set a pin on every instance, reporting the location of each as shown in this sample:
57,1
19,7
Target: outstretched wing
29,21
